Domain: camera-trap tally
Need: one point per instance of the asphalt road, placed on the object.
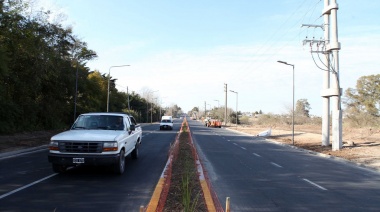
(27, 182)
(259, 175)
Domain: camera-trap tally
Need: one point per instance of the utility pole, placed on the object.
(326, 83)
(330, 92)
(205, 110)
(334, 46)
(225, 103)
(129, 107)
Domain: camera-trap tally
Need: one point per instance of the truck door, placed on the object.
(130, 135)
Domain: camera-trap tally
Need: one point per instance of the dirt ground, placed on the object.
(25, 140)
(361, 146)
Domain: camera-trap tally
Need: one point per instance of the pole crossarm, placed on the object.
(313, 25)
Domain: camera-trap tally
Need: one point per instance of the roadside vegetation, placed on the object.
(39, 60)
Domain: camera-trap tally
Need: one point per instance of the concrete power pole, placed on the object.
(326, 84)
(334, 46)
(225, 103)
(205, 110)
(330, 92)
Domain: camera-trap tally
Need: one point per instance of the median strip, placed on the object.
(183, 186)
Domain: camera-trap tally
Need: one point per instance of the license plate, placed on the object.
(78, 160)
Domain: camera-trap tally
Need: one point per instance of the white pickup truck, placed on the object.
(96, 139)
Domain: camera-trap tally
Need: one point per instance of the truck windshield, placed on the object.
(103, 122)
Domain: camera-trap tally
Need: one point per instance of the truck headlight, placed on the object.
(110, 146)
(53, 145)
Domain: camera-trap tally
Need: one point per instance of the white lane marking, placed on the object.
(243, 148)
(235, 144)
(275, 164)
(24, 153)
(257, 155)
(26, 186)
(314, 184)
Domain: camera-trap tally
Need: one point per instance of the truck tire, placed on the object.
(119, 167)
(59, 168)
(135, 152)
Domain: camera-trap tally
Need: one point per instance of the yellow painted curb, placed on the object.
(152, 206)
(208, 197)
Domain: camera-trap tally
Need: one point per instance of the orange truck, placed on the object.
(214, 123)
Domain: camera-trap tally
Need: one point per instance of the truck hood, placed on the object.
(88, 135)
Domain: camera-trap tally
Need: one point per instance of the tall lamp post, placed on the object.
(108, 90)
(236, 106)
(76, 82)
(151, 107)
(217, 101)
(155, 100)
(293, 98)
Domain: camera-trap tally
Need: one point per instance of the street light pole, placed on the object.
(218, 102)
(76, 84)
(293, 99)
(236, 106)
(108, 90)
(150, 108)
(151, 115)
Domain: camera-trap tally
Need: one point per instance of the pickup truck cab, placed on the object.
(96, 139)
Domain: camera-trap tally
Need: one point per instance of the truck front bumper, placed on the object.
(77, 159)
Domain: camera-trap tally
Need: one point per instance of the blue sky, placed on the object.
(188, 49)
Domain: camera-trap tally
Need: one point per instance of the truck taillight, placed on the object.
(110, 146)
(53, 146)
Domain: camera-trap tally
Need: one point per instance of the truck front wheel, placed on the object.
(120, 164)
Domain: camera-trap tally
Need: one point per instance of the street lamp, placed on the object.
(218, 102)
(236, 106)
(76, 82)
(161, 104)
(108, 90)
(151, 108)
(293, 98)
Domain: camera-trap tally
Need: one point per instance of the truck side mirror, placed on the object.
(133, 127)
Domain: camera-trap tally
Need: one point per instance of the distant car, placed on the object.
(96, 139)
(166, 123)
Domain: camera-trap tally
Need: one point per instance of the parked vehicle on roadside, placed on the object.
(96, 139)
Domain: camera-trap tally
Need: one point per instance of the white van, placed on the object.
(166, 123)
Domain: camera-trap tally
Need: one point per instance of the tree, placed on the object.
(302, 108)
(366, 97)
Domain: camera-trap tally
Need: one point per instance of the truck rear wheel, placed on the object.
(120, 164)
(59, 168)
